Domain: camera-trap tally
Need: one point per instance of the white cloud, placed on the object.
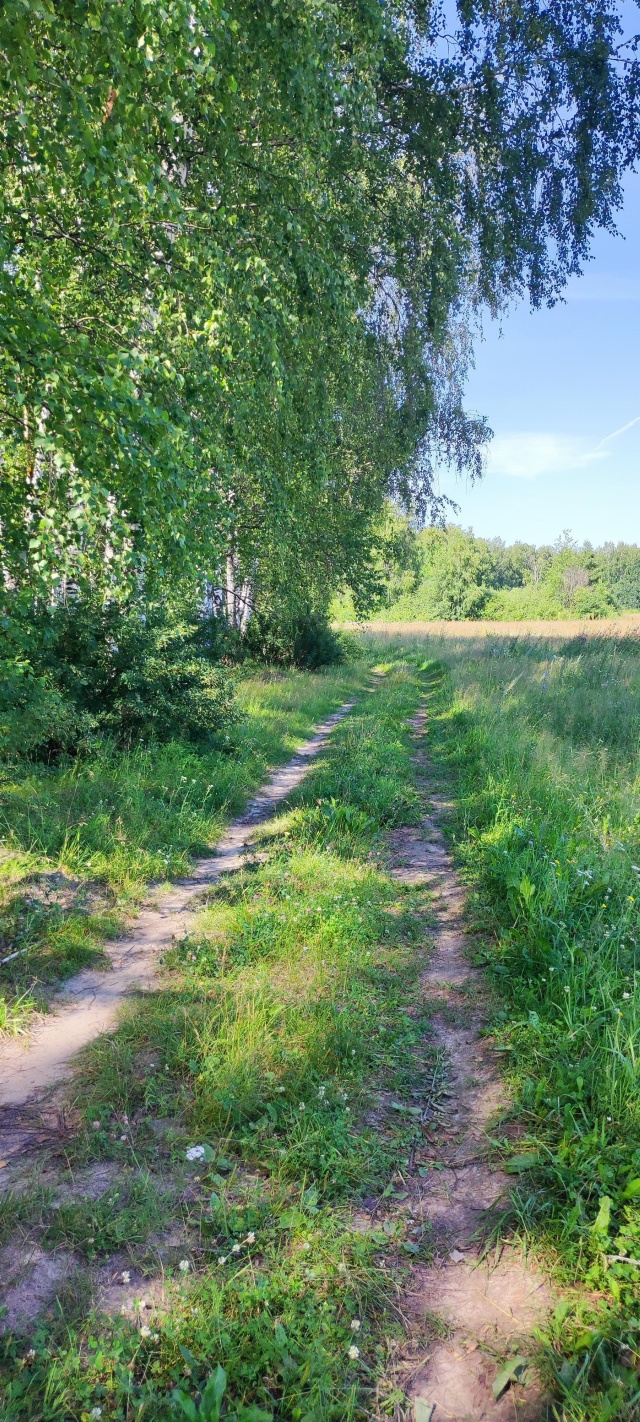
(526, 455)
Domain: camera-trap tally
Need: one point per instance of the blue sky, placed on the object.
(561, 391)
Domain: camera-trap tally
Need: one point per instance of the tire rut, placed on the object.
(485, 1311)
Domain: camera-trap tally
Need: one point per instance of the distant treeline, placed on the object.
(448, 573)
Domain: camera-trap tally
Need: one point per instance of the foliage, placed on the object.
(460, 576)
(297, 640)
(241, 251)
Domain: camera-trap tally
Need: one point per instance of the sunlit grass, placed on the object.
(83, 839)
(540, 744)
(287, 1054)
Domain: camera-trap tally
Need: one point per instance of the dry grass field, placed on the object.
(561, 630)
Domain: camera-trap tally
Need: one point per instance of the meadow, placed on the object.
(541, 740)
(214, 1197)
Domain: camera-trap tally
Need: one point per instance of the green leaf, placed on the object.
(213, 1395)
(511, 1372)
(602, 1220)
(520, 1163)
(631, 1191)
(186, 1403)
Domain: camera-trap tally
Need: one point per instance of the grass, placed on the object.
(259, 1113)
(82, 840)
(541, 745)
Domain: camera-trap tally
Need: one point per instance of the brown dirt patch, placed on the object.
(484, 1311)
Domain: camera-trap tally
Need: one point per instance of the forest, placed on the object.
(319, 1032)
(446, 573)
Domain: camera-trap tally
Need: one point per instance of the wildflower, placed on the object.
(222, 1258)
(125, 1276)
(306, 1244)
(184, 1266)
(125, 1120)
(342, 1268)
(29, 1357)
(96, 1125)
(355, 1325)
(626, 996)
(354, 1352)
(250, 1239)
(302, 1106)
(155, 1337)
(145, 1332)
(279, 1088)
(322, 1090)
(123, 1138)
(96, 1412)
(235, 1248)
(195, 1153)
(566, 987)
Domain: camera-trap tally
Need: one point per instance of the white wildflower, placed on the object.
(96, 1125)
(222, 1258)
(184, 1266)
(355, 1325)
(354, 1352)
(196, 1153)
(302, 1106)
(96, 1412)
(626, 996)
(322, 1090)
(235, 1248)
(145, 1332)
(125, 1276)
(31, 1355)
(250, 1239)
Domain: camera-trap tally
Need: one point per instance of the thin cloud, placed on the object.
(623, 429)
(528, 455)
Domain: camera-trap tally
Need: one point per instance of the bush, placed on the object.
(35, 719)
(137, 675)
(300, 640)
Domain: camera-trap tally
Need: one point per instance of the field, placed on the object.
(553, 630)
(205, 1212)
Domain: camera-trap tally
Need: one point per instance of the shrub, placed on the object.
(35, 718)
(299, 640)
(136, 674)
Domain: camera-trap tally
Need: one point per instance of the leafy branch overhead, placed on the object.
(241, 253)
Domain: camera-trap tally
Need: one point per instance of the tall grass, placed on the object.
(81, 840)
(542, 742)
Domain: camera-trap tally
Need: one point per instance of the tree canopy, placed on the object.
(242, 249)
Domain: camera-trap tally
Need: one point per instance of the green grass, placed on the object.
(290, 1047)
(81, 840)
(541, 746)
